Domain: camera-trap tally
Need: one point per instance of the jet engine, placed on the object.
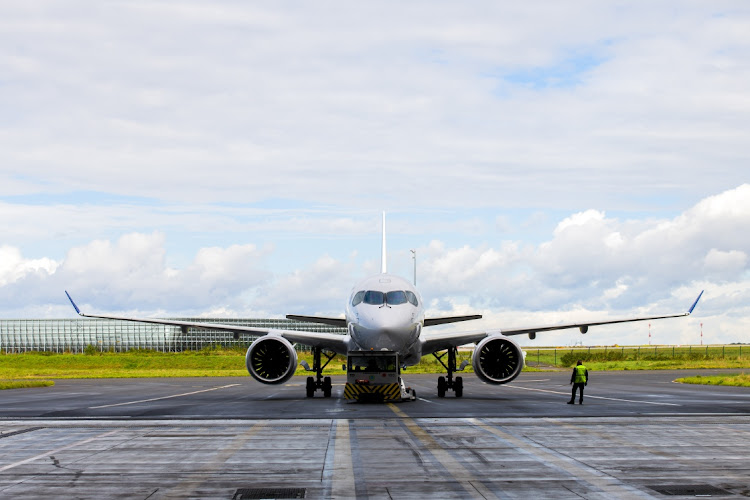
(497, 360)
(271, 359)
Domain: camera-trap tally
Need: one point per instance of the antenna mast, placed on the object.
(382, 256)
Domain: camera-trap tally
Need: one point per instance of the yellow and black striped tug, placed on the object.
(373, 393)
(374, 377)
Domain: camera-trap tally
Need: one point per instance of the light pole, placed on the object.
(649, 334)
(414, 258)
(701, 333)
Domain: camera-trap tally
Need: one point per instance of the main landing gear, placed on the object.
(457, 385)
(318, 382)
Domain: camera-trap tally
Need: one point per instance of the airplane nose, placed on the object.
(384, 329)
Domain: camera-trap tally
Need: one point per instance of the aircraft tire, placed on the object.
(327, 387)
(458, 387)
(310, 387)
(442, 386)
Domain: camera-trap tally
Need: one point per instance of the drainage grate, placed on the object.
(693, 490)
(256, 493)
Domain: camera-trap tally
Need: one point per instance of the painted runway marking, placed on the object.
(594, 397)
(461, 475)
(343, 473)
(163, 397)
(215, 463)
(609, 485)
(57, 450)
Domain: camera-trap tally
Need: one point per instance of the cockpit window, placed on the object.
(358, 297)
(395, 298)
(392, 298)
(374, 298)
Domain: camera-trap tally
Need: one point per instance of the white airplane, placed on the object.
(385, 312)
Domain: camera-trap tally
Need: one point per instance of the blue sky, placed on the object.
(548, 162)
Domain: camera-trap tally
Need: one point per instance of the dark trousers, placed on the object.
(577, 385)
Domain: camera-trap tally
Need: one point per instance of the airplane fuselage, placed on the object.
(385, 312)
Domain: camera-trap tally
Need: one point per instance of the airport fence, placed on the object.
(566, 356)
(76, 335)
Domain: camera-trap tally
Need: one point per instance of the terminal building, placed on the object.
(75, 335)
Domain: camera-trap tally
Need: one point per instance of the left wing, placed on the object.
(332, 341)
(340, 322)
(437, 342)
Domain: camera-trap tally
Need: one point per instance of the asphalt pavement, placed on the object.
(637, 435)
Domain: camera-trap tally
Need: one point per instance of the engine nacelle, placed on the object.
(497, 360)
(271, 359)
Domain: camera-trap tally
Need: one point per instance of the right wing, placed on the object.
(432, 342)
(450, 319)
(332, 341)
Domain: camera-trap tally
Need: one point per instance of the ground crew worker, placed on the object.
(579, 379)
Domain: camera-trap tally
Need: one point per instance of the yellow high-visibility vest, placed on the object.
(580, 377)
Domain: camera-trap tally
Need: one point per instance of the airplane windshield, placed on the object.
(358, 298)
(395, 298)
(374, 298)
(392, 298)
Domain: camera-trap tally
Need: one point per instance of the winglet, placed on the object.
(696, 302)
(74, 304)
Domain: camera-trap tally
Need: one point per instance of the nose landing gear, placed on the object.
(447, 384)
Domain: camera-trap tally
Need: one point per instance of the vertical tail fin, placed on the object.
(382, 255)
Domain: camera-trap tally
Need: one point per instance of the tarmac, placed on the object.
(637, 435)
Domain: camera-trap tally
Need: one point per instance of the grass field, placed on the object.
(24, 384)
(738, 380)
(231, 362)
(643, 357)
(137, 364)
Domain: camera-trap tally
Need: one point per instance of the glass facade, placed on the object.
(74, 335)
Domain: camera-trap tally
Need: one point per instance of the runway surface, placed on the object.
(638, 435)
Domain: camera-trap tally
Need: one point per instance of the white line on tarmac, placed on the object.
(610, 486)
(595, 397)
(163, 397)
(57, 450)
(343, 472)
(473, 486)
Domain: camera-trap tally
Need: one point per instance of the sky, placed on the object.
(547, 161)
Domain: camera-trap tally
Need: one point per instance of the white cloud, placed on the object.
(544, 106)
(185, 158)
(13, 267)
(657, 266)
(729, 263)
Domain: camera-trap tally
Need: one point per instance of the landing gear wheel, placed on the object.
(310, 387)
(458, 387)
(442, 386)
(327, 387)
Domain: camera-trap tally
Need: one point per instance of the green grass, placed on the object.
(140, 363)
(209, 362)
(644, 358)
(739, 380)
(131, 364)
(218, 362)
(24, 384)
